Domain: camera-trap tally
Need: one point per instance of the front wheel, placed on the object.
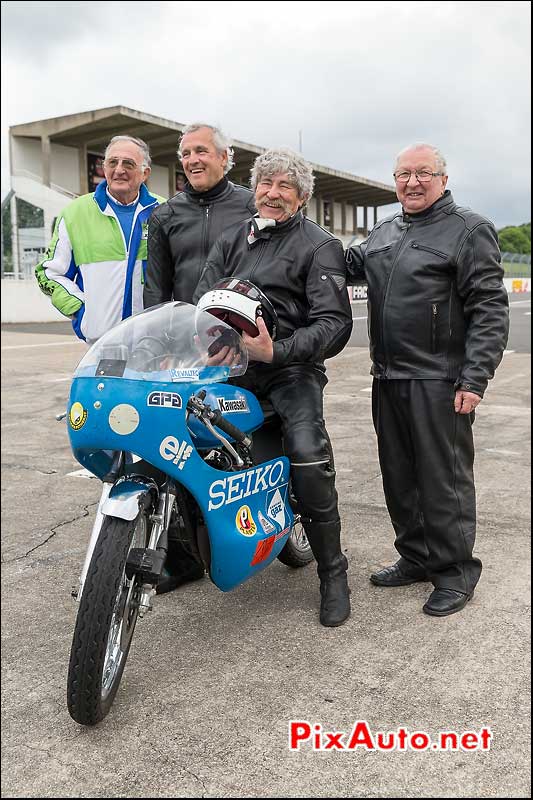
(106, 619)
(297, 551)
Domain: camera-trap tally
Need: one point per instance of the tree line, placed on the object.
(515, 238)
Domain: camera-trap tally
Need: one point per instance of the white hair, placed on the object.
(220, 140)
(140, 144)
(440, 161)
(283, 160)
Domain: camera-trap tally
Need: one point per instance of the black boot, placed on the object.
(325, 541)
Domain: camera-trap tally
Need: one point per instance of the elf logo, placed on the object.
(171, 449)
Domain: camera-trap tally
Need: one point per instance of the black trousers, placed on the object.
(426, 454)
(296, 394)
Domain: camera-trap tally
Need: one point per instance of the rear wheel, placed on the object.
(106, 619)
(297, 551)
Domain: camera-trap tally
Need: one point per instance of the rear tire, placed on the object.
(106, 619)
(297, 551)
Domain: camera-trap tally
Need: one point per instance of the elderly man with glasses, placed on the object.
(438, 325)
(94, 267)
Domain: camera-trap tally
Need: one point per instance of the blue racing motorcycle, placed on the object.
(177, 447)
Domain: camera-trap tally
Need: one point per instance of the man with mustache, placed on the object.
(438, 323)
(300, 268)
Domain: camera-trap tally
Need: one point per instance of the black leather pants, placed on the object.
(426, 454)
(295, 392)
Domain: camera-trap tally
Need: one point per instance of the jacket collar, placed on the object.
(211, 194)
(264, 229)
(438, 206)
(100, 195)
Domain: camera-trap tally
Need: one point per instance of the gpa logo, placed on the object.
(231, 406)
(245, 522)
(144, 234)
(164, 400)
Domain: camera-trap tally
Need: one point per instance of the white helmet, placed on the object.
(238, 303)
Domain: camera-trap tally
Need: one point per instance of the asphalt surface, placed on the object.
(213, 680)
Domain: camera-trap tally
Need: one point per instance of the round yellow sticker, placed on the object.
(245, 522)
(77, 416)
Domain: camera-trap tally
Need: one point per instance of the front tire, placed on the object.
(106, 619)
(297, 551)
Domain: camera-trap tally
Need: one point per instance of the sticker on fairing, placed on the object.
(124, 419)
(77, 416)
(265, 523)
(241, 485)
(171, 449)
(164, 400)
(190, 374)
(233, 406)
(245, 522)
(276, 508)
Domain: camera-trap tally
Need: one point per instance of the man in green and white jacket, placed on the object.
(94, 267)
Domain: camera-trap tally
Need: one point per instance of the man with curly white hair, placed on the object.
(300, 268)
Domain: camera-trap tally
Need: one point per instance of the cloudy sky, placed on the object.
(359, 80)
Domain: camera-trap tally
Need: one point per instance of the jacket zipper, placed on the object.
(434, 314)
(264, 243)
(206, 235)
(417, 246)
(387, 292)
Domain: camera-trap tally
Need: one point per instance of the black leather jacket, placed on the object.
(181, 235)
(437, 306)
(300, 267)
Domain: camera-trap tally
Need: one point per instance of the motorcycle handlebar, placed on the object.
(217, 419)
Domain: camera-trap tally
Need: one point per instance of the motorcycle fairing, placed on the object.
(247, 513)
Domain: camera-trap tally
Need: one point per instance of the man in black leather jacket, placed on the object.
(438, 325)
(182, 233)
(179, 240)
(300, 268)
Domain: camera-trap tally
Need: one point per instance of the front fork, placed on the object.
(160, 520)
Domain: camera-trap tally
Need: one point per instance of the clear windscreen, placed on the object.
(172, 342)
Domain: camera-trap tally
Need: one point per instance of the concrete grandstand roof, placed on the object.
(94, 129)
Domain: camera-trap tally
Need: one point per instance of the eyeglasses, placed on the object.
(423, 175)
(127, 163)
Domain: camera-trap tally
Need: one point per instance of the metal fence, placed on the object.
(513, 258)
(516, 265)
